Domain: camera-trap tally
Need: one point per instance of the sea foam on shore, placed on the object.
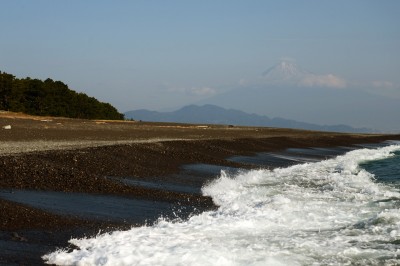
(319, 213)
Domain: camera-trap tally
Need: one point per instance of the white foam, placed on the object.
(329, 212)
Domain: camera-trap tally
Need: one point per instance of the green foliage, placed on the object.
(54, 98)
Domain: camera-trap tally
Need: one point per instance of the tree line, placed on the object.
(52, 98)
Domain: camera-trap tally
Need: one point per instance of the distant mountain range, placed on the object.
(211, 114)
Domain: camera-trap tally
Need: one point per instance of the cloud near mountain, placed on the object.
(383, 84)
(332, 81)
(195, 91)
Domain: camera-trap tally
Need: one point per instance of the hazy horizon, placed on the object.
(161, 55)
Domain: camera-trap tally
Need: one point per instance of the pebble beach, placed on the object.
(78, 156)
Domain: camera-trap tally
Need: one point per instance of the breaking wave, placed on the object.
(321, 213)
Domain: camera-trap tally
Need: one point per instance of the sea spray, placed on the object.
(329, 212)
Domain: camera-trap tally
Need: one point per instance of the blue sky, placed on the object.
(163, 54)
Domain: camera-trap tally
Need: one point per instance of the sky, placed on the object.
(166, 54)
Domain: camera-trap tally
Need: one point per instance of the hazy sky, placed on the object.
(161, 54)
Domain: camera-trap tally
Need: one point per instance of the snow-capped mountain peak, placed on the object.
(285, 71)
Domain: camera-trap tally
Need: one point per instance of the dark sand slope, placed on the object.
(67, 155)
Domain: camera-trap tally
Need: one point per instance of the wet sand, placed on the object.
(68, 155)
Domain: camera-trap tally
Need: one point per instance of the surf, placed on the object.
(327, 212)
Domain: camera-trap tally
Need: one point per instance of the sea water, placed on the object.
(340, 211)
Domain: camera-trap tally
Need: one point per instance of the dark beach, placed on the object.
(94, 158)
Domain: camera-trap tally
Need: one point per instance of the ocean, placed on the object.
(342, 210)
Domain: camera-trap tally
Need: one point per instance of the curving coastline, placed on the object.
(57, 154)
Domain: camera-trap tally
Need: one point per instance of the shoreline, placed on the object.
(69, 155)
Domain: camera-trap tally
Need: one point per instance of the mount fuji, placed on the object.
(287, 90)
(287, 72)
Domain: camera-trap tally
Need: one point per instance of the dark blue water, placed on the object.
(386, 170)
(98, 207)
